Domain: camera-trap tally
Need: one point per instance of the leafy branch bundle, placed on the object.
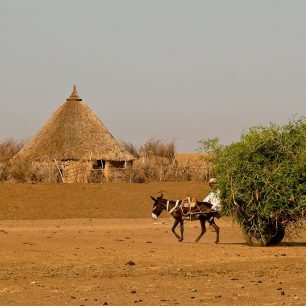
(262, 179)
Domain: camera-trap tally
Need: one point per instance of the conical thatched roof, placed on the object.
(74, 133)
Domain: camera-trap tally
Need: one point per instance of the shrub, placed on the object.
(20, 171)
(8, 149)
(157, 147)
(131, 148)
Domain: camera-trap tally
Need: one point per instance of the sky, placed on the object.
(170, 69)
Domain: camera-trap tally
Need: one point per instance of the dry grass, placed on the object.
(131, 148)
(190, 158)
(144, 171)
(8, 149)
(158, 161)
(158, 147)
(154, 147)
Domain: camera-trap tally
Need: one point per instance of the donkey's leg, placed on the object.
(176, 222)
(217, 229)
(203, 229)
(182, 230)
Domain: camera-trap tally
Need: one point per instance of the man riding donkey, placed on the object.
(191, 209)
(214, 196)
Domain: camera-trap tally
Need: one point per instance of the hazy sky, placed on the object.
(170, 69)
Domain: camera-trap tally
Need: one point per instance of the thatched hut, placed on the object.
(75, 140)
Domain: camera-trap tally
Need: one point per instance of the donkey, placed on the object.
(202, 211)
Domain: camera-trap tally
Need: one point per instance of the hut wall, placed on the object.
(76, 171)
(79, 171)
(111, 168)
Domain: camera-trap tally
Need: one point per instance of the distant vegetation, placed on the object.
(8, 149)
(155, 161)
(158, 160)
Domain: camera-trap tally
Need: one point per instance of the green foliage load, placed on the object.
(262, 179)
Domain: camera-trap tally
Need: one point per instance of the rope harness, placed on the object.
(189, 214)
(173, 208)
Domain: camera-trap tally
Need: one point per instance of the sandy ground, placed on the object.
(77, 201)
(139, 262)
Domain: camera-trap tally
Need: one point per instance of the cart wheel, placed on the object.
(278, 235)
(256, 240)
(273, 235)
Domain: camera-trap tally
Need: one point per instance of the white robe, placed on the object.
(214, 198)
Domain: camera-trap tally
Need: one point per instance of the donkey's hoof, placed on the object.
(216, 242)
(180, 240)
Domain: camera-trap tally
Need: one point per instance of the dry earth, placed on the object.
(65, 256)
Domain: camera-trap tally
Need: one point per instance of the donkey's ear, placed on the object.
(162, 196)
(153, 199)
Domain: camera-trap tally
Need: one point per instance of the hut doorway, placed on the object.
(99, 164)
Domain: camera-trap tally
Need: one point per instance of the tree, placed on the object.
(262, 179)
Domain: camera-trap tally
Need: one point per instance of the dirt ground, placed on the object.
(112, 200)
(84, 260)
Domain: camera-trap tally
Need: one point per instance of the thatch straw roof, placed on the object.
(74, 133)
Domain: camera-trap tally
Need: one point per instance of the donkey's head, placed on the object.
(158, 206)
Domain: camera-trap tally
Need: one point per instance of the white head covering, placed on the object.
(212, 180)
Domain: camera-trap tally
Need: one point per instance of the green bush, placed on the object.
(262, 180)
